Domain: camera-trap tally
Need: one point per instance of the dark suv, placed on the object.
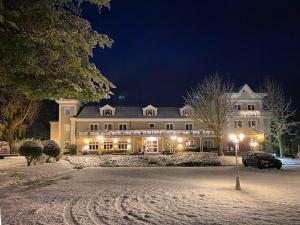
(261, 160)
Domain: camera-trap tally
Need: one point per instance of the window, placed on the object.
(107, 126)
(67, 128)
(237, 107)
(93, 145)
(252, 123)
(122, 145)
(122, 126)
(237, 124)
(151, 126)
(251, 107)
(107, 112)
(189, 144)
(67, 111)
(208, 144)
(93, 126)
(108, 145)
(186, 112)
(188, 126)
(169, 126)
(150, 112)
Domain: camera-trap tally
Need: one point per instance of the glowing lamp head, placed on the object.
(180, 139)
(233, 137)
(100, 138)
(241, 137)
(173, 137)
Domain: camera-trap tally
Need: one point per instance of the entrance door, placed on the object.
(151, 146)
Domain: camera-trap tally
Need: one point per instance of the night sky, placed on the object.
(164, 47)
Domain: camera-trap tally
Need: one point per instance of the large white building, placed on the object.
(153, 129)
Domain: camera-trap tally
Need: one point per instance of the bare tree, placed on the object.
(281, 111)
(212, 104)
(17, 112)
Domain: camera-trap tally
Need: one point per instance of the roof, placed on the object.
(129, 112)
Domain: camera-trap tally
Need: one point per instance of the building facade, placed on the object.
(153, 129)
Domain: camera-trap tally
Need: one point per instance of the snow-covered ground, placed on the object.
(156, 195)
(180, 159)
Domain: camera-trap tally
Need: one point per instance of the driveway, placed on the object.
(203, 195)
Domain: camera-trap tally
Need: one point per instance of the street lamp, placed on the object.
(237, 139)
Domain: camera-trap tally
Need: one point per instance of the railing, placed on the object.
(142, 133)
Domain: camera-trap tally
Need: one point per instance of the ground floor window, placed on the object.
(122, 145)
(208, 144)
(108, 145)
(189, 144)
(93, 145)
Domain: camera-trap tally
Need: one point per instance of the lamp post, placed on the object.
(237, 139)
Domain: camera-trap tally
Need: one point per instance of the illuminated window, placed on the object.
(122, 145)
(189, 144)
(108, 145)
(93, 145)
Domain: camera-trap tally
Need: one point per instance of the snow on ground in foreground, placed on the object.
(14, 171)
(158, 196)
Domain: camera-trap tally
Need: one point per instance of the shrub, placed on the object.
(51, 149)
(72, 149)
(31, 150)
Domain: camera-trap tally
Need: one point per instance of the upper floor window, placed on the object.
(150, 112)
(237, 124)
(107, 126)
(151, 126)
(107, 112)
(252, 123)
(186, 111)
(67, 111)
(188, 126)
(169, 126)
(122, 126)
(93, 126)
(251, 107)
(237, 107)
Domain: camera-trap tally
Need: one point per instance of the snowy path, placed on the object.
(158, 196)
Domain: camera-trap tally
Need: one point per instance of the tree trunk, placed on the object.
(11, 137)
(221, 152)
(280, 147)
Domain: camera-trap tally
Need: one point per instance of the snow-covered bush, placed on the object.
(51, 149)
(31, 150)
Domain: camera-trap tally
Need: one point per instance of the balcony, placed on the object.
(143, 133)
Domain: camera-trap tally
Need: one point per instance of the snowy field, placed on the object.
(161, 195)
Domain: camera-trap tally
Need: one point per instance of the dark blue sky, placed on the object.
(163, 47)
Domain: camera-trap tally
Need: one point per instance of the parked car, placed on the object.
(261, 160)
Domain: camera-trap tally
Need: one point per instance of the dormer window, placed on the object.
(251, 107)
(150, 111)
(107, 110)
(186, 111)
